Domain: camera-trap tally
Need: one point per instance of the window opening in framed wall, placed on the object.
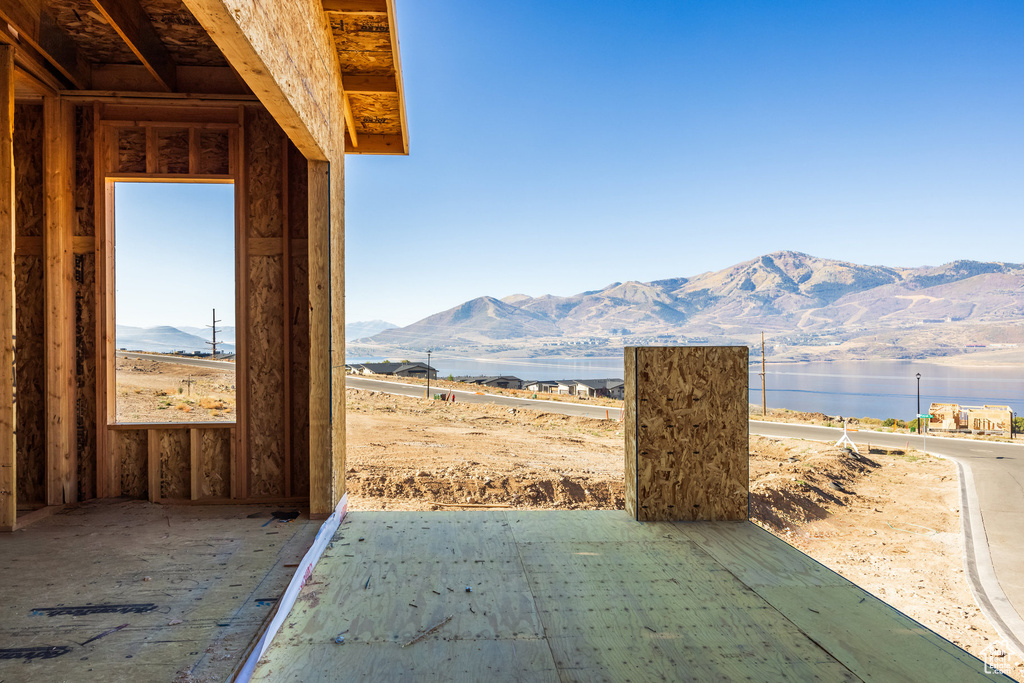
(174, 302)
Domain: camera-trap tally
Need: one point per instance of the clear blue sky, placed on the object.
(559, 147)
(174, 246)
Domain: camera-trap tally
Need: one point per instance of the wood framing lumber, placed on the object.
(356, 6)
(38, 29)
(375, 144)
(285, 53)
(337, 321)
(59, 321)
(397, 59)
(8, 449)
(134, 26)
(321, 478)
(361, 84)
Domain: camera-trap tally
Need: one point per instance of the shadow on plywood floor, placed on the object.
(119, 589)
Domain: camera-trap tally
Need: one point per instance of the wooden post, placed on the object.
(59, 333)
(8, 449)
(686, 433)
(321, 479)
(337, 269)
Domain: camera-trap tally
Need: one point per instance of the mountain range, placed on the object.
(165, 339)
(803, 304)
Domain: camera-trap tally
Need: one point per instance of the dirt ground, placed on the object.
(154, 391)
(887, 520)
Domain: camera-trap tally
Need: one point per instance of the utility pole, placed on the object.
(214, 326)
(764, 395)
(428, 373)
(919, 403)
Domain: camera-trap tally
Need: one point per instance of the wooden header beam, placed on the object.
(133, 25)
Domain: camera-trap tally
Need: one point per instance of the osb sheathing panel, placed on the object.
(175, 449)
(215, 463)
(28, 169)
(85, 197)
(264, 174)
(85, 372)
(363, 44)
(264, 155)
(29, 306)
(214, 151)
(298, 223)
(266, 376)
(691, 433)
(181, 34)
(31, 378)
(172, 150)
(378, 113)
(130, 450)
(131, 150)
(96, 40)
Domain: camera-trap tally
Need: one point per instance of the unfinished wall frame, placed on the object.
(266, 95)
(244, 146)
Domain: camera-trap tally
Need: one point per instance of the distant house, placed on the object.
(545, 386)
(565, 387)
(502, 382)
(952, 417)
(608, 388)
(395, 369)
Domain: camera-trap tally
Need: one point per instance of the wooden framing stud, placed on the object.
(8, 449)
(59, 319)
(321, 478)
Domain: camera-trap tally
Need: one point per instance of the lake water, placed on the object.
(879, 389)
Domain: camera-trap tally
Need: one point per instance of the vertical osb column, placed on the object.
(264, 274)
(298, 321)
(686, 433)
(322, 494)
(58, 180)
(8, 443)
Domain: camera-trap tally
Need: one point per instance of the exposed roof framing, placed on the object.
(41, 38)
(136, 29)
(366, 40)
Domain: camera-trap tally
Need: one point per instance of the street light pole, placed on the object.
(428, 373)
(919, 403)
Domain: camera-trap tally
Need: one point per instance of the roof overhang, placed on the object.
(366, 39)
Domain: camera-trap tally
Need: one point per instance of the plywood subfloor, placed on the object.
(589, 596)
(127, 590)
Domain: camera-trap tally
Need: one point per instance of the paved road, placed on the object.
(992, 501)
(991, 492)
(419, 391)
(198, 362)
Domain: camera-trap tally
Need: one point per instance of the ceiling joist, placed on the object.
(134, 26)
(356, 6)
(42, 35)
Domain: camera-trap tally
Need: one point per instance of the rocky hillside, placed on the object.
(792, 297)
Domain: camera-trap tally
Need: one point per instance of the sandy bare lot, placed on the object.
(154, 391)
(888, 521)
